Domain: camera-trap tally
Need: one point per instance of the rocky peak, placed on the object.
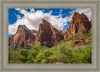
(44, 21)
(22, 37)
(76, 14)
(45, 24)
(47, 34)
(79, 24)
(22, 28)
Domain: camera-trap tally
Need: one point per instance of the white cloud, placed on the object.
(18, 17)
(33, 19)
(86, 11)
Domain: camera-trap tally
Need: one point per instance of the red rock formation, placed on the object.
(22, 38)
(81, 42)
(47, 34)
(79, 24)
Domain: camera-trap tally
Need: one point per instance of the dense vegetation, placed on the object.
(62, 52)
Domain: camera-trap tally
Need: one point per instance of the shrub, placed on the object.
(43, 56)
(36, 46)
(82, 55)
(13, 56)
(23, 55)
(31, 58)
(90, 32)
(63, 52)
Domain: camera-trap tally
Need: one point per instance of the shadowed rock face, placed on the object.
(22, 38)
(33, 32)
(62, 32)
(79, 24)
(47, 34)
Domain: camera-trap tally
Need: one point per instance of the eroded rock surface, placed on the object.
(79, 24)
(47, 34)
(22, 38)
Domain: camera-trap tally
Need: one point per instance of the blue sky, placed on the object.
(31, 17)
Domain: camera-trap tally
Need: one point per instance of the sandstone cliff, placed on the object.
(47, 34)
(79, 24)
(22, 38)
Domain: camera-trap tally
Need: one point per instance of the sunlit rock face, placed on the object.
(22, 38)
(47, 34)
(79, 24)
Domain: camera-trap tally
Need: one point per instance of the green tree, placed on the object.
(23, 55)
(90, 34)
(13, 56)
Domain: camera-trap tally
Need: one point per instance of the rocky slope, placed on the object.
(47, 34)
(22, 38)
(79, 24)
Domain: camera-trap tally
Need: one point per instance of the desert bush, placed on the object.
(63, 52)
(13, 56)
(82, 55)
(31, 58)
(90, 32)
(23, 55)
(43, 55)
(36, 46)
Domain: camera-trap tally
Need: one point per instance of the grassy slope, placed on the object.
(77, 37)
